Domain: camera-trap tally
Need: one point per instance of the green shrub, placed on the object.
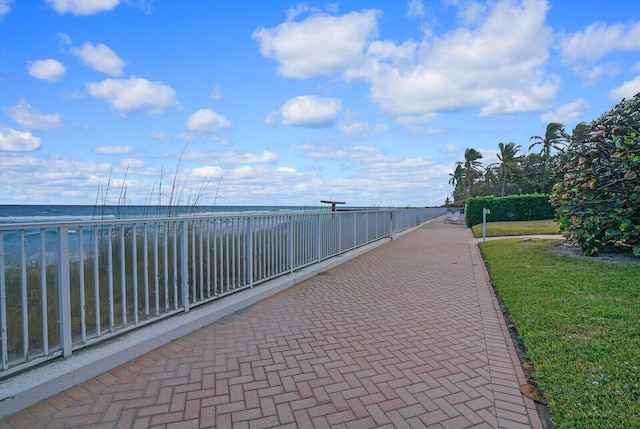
(510, 208)
(598, 203)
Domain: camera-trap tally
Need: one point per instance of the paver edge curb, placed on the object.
(533, 415)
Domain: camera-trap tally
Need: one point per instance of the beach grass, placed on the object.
(580, 325)
(150, 282)
(146, 282)
(532, 227)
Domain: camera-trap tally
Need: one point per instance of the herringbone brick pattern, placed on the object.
(407, 335)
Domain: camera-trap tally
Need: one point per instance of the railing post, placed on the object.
(290, 241)
(249, 251)
(339, 229)
(355, 229)
(64, 291)
(3, 307)
(318, 236)
(123, 276)
(366, 226)
(184, 264)
(110, 278)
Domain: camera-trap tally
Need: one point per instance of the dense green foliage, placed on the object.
(598, 202)
(579, 321)
(510, 208)
(515, 174)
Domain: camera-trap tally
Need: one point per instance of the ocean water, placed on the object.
(12, 214)
(15, 242)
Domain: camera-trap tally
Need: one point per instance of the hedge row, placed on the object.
(510, 208)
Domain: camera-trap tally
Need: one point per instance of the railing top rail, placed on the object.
(181, 218)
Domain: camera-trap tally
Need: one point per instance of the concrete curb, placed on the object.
(25, 389)
(504, 237)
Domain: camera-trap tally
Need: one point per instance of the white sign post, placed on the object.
(485, 212)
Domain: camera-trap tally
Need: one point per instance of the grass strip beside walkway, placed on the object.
(497, 229)
(580, 322)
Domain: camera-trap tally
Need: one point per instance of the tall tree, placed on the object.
(555, 137)
(472, 167)
(509, 162)
(457, 180)
(532, 179)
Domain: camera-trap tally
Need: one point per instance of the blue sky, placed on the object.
(287, 103)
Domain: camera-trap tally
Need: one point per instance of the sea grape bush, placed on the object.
(598, 203)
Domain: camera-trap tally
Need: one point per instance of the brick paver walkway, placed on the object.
(407, 335)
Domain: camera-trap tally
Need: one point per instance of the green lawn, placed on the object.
(580, 322)
(496, 229)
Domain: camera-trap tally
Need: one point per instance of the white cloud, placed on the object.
(5, 7)
(68, 95)
(216, 94)
(244, 172)
(627, 90)
(598, 40)
(113, 150)
(451, 151)
(202, 125)
(82, 7)
(373, 178)
(17, 141)
(231, 157)
(310, 111)
(415, 9)
(356, 130)
(376, 177)
(592, 75)
(415, 124)
(319, 45)
(207, 121)
(381, 128)
(131, 163)
(321, 151)
(367, 157)
(294, 12)
(266, 157)
(272, 118)
(33, 120)
(566, 114)
(493, 63)
(134, 94)
(286, 170)
(50, 179)
(158, 135)
(207, 171)
(101, 58)
(64, 38)
(472, 12)
(51, 70)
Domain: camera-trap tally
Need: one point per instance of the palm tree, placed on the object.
(472, 167)
(509, 161)
(554, 138)
(579, 133)
(457, 176)
(457, 179)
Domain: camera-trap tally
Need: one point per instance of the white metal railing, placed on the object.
(65, 286)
